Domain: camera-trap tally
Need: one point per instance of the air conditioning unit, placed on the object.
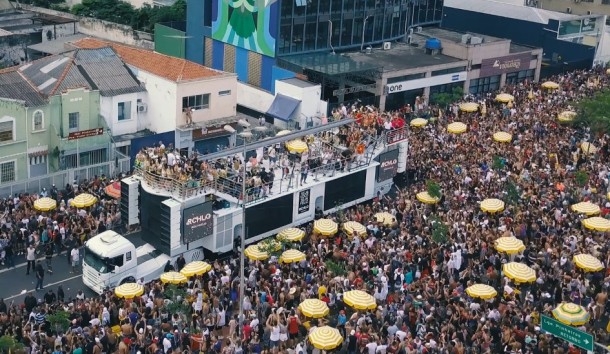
(476, 40)
(387, 45)
(569, 10)
(419, 29)
(142, 107)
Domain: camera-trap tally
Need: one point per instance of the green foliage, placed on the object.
(272, 246)
(594, 112)
(336, 269)
(59, 320)
(8, 343)
(339, 211)
(582, 178)
(444, 99)
(440, 231)
(177, 296)
(512, 193)
(118, 11)
(433, 189)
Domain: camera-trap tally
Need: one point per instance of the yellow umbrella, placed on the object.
(469, 107)
(509, 245)
(84, 200)
(566, 116)
(325, 338)
(291, 234)
(297, 146)
(597, 223)
(588, 263)
(426, 198)
(292, 256)
(586, 208)
(352, 226)
(173, 278)
(481, 291)
(588, 148)
(418, 122)
(607, 71)
(325, 227)
(359, 300)
(492, 205)
(196, 268)
(505, 98)
(314, 308)
(503, 137)
(550, 85)
(45, 204)
(129, 290)
(457, 128)
(519, 272)
(283, 132)
(571, 314)
(385, 218)
(255, 254)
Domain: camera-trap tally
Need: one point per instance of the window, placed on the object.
(73, 119)
(484, 84)
(7, 129)
(38, 121)
(224, 93)
(196, 102)
(7, 171)
(605, 2)
(124, 109)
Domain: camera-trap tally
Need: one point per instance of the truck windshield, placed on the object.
(96, 262)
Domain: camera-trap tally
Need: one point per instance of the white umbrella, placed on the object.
(245, 134)
(229, 129)
(244, 123)
(260, 128)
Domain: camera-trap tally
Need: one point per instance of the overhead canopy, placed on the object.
(283, 107)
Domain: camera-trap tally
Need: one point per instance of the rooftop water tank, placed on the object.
(433, 44)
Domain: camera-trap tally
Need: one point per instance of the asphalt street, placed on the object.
(15, 284)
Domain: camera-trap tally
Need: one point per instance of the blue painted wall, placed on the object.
(194, 30)
(218, 55)
(267, 73)
(278, 73)
(241, 64)
(521, 32)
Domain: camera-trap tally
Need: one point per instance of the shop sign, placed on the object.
(503, 65)
(388, 165)
(210, 132)
(304, 201)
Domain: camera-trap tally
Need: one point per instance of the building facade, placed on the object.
(248, 42)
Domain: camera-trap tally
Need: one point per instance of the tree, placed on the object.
(594, 112)
(582, 178)
(512, 193)
(433, 189)
(336, 269)
(271, 246)
(497, 163)
(8, 344)
(444, 99)
(59, 320)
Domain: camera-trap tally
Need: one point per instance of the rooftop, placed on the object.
(14, 87)
(400, 57)
(456, 36)
(170, 68)
(299, 83)
(510, 10)
(57, 46)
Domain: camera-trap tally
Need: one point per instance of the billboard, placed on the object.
(197, 222)
(388, 165)
(249, 24)
(507, 64)
(304, 200)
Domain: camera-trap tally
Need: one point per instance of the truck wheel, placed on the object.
(128, 280)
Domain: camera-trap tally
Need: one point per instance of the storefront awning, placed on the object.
(283, 107)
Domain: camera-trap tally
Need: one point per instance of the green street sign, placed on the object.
(572, 335)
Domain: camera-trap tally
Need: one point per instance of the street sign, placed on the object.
(85, 133)
(575, 336)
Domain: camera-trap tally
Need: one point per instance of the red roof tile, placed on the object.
(171, 68)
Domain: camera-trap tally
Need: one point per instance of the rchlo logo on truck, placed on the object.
(198, 219)
(389, 163)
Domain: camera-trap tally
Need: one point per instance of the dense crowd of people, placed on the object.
(417, 280)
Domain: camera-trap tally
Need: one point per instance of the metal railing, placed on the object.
(61, 178)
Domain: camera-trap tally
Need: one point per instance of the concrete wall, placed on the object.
(101, 29)
(53, 32)
(170, 41)
(253, 98)
(222, 104)
(13, 48)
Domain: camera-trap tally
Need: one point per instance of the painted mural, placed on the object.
(249, 24)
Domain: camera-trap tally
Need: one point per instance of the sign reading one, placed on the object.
(388, 165)
(577, 337)
(304, 200)
(507, 64)
(85, 133)
(197, 222)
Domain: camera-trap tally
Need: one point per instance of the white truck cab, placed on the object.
(111, 259)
